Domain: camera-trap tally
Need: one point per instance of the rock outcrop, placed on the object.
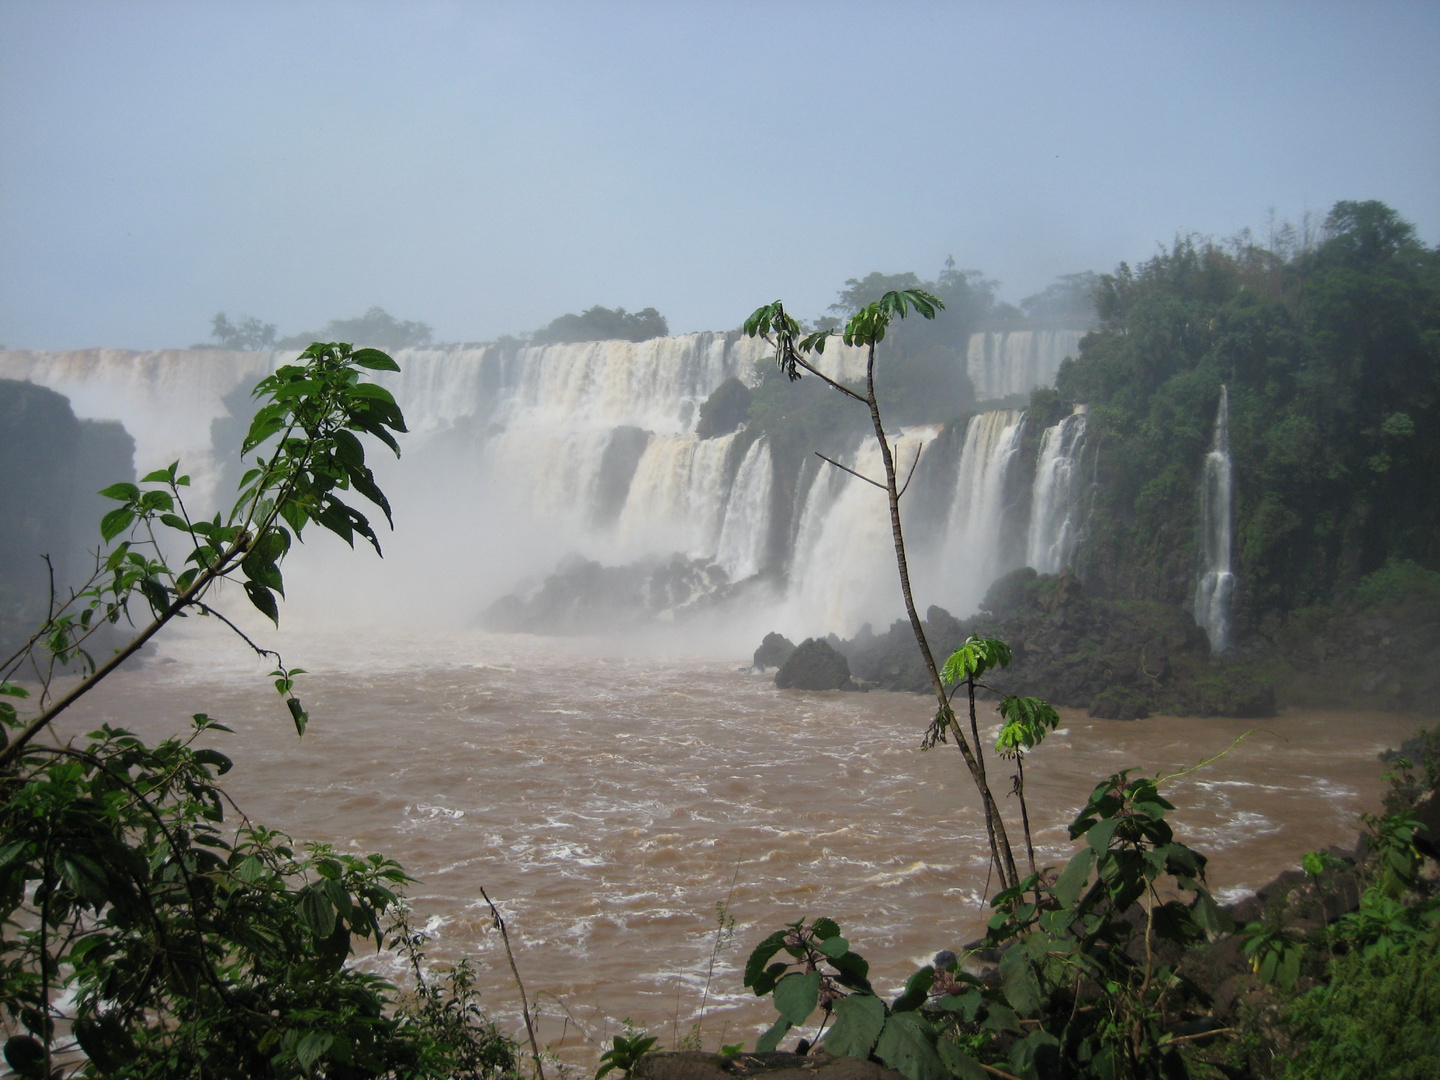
(815, 665)
(773, 651)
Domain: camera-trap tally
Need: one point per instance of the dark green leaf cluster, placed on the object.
(625, 1052)
(602, 324)
(376, 328)
(1331, 354)
(248, 335)
(168, 943)
(1076, 996)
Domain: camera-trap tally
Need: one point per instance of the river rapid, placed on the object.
(609, 798)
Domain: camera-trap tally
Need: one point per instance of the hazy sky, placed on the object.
(485, 167)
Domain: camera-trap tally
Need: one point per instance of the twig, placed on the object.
(524, 1002)
(1200, 1035)
(995, 1071)
(913, 464)
(852, 472)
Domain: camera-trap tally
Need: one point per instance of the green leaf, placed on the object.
(834, 947)
(116, 522)
(961, 1065)
(859, 1019)
(374, 359)
(760, 956)
(298, 714)
(824, 928)
(771, 1039)
(917, 989)
(1037, 1056)
(797, 994)
(1017, 979)
(122, 492)
(907, 1044)
(1071, 882)
(264, 601)
(1098, 836)
(311, 1047)
(317, 912)
(221, 763)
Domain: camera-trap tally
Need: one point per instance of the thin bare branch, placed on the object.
(524, 1002)
(911, 476)
(852, 472)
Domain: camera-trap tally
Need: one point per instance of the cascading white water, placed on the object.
(973, 555)
(527, 455)
(1002, 363)
(1217, 580)
(1055, 500)
(740, 550)
(843, 573)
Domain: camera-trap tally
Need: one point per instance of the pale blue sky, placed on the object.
(484, 167)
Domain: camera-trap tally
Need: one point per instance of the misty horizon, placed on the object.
(486, 168)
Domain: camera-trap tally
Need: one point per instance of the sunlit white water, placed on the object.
(1056, 496)
(1217, 581)
(973, 555)
(1006, 362)
(608, 800)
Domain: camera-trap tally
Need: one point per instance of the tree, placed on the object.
(866, 328)
(602, 324)
(249, 335)
(142, 937)
(376, 328)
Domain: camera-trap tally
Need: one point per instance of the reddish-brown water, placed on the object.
(609, 801)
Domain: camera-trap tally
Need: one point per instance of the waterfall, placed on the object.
(973, 554)
(740, 550)
(1002, 363)
(1217, 580)
(522, 456)
(843, 573)
(1056, 495)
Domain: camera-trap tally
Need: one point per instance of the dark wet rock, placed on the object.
(817, 1065)
(584, 597)
(1118, 659)
(724, 410)
(815, 665)
(773, 651)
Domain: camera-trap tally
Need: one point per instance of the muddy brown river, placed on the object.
(608, 801)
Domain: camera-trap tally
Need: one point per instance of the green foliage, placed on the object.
(603, 324)
(1399, 581)
(1026, 722)
(1074, 997)
(626, 1051)
(248, 335)
(146, 936)
(187, 946)
(1332, 359)
(377, 328)
(1377, 1017)
(309, 418)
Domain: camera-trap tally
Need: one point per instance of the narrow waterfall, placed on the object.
(1217, 580)
(972, 555)
(1002, 363)
(1055, 501)
(740, 550)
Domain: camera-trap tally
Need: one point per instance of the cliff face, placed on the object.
(53, 465)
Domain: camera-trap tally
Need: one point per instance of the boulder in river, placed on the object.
(815, 665)
(773, 651)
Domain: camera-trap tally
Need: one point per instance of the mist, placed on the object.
(487, 167)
